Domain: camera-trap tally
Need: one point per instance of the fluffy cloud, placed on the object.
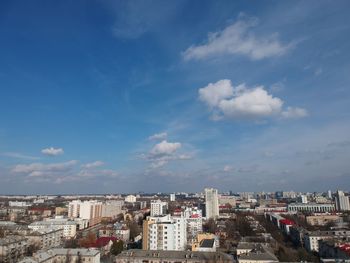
(164, 152)
(158, 136)
(238, 39)
(241, 102)
(93, 164)
(52, 151)
(40, 169)
(165, 148)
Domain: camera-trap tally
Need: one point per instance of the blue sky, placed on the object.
(128, 96)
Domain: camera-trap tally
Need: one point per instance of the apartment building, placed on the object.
(211, 203)
(64, 255)
(46, 238)
(164, 233)
(12, 249)
(158, 207)
(69, 227)
(159, 256)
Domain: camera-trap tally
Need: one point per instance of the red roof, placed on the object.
(287, 222)
(195, 216)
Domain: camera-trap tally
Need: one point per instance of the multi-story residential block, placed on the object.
(89, 210)
(158, 207)
(69, 227)
(311, 238)
(194, 223)
(164, 233)
(159, 256)
(65, 255)
(211, 203)
(12, 248)
(172, 197)
(45, 238)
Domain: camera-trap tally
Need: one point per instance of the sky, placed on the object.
(169, 96)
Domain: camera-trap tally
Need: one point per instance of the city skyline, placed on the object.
(170, 96)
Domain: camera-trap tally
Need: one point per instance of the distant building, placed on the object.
(342, 201)
(172, 197)
(158, 208)
(310, 207)
(89, 210)
(211, 203)
(130, 199)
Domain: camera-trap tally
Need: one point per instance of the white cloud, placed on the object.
(165, 148)
(52, 151)
(241, 102)
(19, 156)
(93, 164)
(213, 93)
(164, 152)
(158, 136)
(238, 39)
(228, 168)
(40, 169)
(294, 113)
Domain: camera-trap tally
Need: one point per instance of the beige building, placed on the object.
(12, 248)
(45, 239)
(321, 220)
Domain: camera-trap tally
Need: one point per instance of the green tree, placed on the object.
(117, 247)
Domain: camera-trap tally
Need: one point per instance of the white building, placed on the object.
(211, 203)
(310, 207)
(19, 203)
(172, 197)
(158, 208)
(342, 201)
(303, 199)
(69, 227)
(164, 233)
(130, 199)
(90, 210)
(194, 223)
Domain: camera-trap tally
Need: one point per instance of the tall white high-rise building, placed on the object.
(90, 210)
(172, 197)
(158, 208)
(211, 203)
(342, 201)
(164, 233)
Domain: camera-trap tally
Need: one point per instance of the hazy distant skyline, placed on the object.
(164, 96)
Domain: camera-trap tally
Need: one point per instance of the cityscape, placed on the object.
(206, 226)
(174, 131)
